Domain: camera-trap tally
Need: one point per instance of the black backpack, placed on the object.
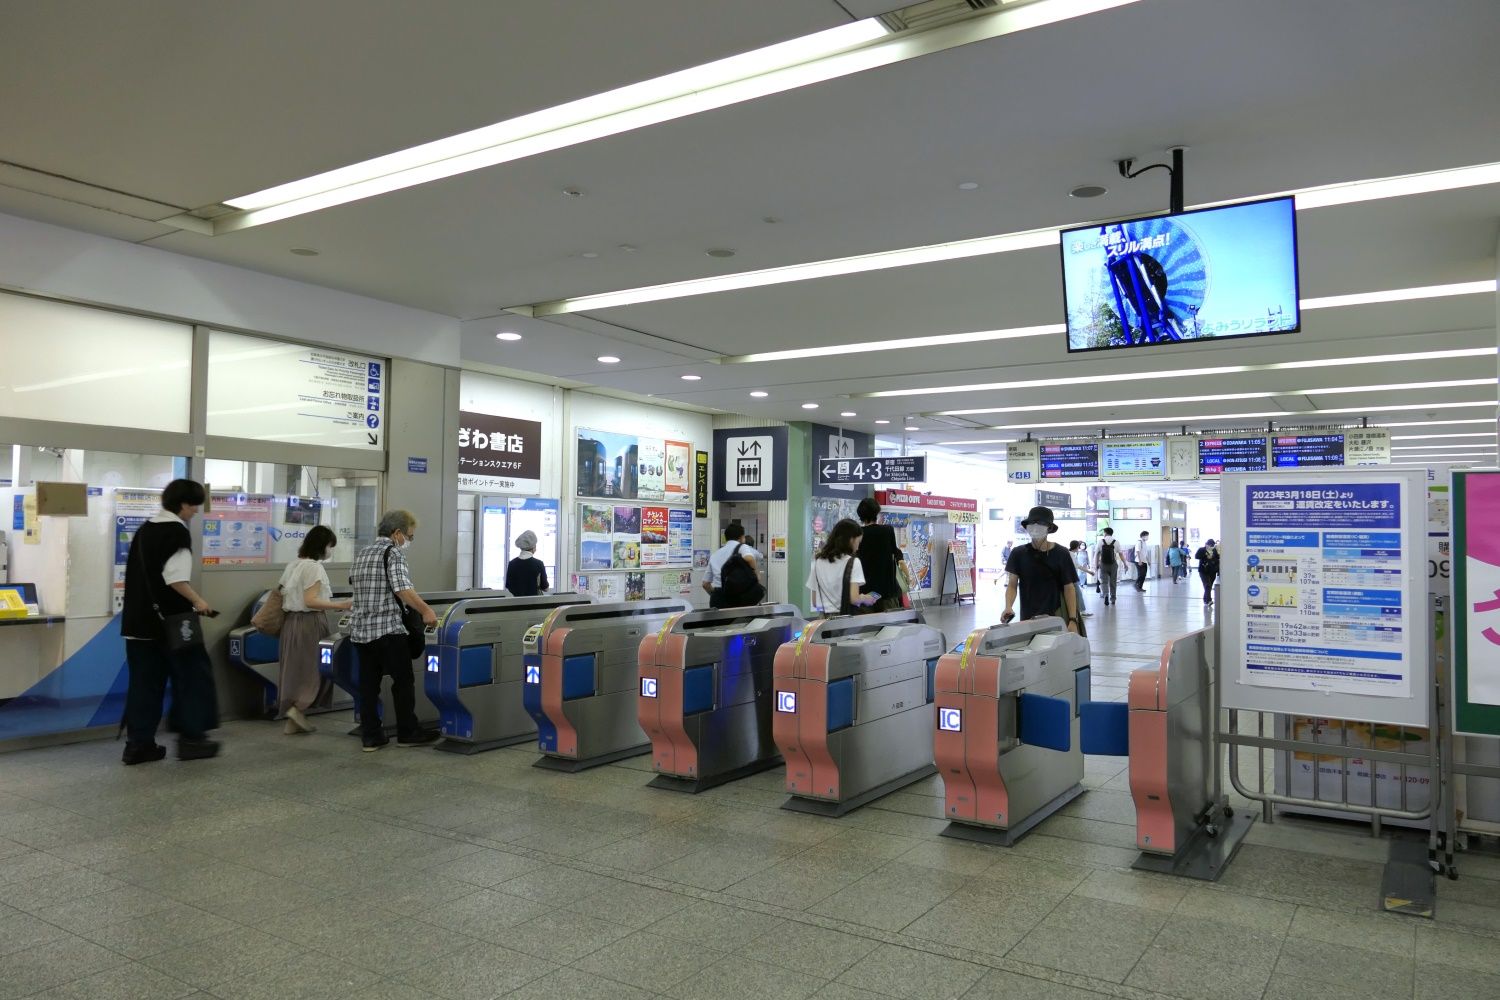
(738, 581)
(1106, 554)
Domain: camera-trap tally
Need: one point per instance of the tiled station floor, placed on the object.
(297, 867)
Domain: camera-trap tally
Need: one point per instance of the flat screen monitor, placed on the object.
(303, 510)
(1201, 275)
(1231, 454)
(1303, 451)
(1070, 460)
(1134, 459)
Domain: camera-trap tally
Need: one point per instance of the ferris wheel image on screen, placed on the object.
(1158, 275)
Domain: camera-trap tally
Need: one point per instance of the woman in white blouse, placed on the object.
(836, 574)
(305, 597)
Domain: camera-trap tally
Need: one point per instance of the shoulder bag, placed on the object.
(411, 618)
(272, 613)
(180, 631)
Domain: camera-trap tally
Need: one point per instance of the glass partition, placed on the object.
(261, 511)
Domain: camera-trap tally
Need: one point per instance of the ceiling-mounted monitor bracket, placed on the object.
(1175, 170)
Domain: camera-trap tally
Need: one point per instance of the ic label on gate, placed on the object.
(786, 701)
(951, 720)
(648, 687)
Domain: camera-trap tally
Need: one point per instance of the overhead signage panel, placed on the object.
(873, 469)
(1217, 456)
(1302, 451)
(1023, 462)
(1070, 460)
(750, 463)
(1144, 458)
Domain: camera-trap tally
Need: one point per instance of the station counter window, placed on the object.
(261, 511)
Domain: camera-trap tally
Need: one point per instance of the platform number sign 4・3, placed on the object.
(648, 687)
(786, 701)
(951, 720)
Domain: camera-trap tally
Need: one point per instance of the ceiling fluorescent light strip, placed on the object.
(1463, 352)
(800, 62)
(1429, 437)
(1399, 295)
(1398, 187)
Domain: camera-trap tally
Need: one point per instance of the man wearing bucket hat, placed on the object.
(1044, 575)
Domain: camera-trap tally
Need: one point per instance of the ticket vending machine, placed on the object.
(853, 709)
(705, 696)
(1007, 742)
(581, 680)
(481, 670)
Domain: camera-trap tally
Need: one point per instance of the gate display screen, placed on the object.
(1240, 454)
(1300, 451)
(1071, 460)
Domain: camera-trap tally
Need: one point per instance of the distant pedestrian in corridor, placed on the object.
(1108, 557)
(1208, 568)
(1175, 562)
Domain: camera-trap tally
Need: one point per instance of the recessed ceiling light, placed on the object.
(759, 393)
(882, 421)
(589, 255)
(608, 359)
(691, 378)
(305, 251)
(809, 406)
(628, 247)
(848, 413)
(720, 252)
(1087, 191)
(572, 192)
(507, 336)
(969, 186)
(910, 427)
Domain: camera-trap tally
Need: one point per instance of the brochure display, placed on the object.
(618, 537)
(1322, 603)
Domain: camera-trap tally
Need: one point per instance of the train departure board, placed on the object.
(1303, 451)
(1231, 454)
(1070, 460)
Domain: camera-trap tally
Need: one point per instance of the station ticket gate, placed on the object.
(481, 670)
(1184, 824)
(853, 709)
(259, 656)
(581, 680)
(339, 661)
(1007, 742)
(705, 696)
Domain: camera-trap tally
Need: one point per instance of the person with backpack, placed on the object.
(1107, 559)
(1043, 575)
(879, 558)
(836, 576)
(733, 579)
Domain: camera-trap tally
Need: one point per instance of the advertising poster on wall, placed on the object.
(608, 587)
(680, 537)
(654, 536)
(237, 532)
(498, 454)
(627, 538)
(596, 536)
(1476, 593)
(607, 464)
(635, 586)
(133, 508)
(1324, 606)
(700, 558)
(679, 477)
(914, 539)
(652, 471)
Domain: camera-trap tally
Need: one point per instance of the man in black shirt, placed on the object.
(878, 557)
(1043, 573)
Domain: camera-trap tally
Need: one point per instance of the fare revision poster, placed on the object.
(1323, 601)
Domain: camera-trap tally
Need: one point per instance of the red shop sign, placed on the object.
(923, 501)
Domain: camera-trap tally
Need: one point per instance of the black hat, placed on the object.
(1040, 515)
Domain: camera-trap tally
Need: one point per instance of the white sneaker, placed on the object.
(295, 717)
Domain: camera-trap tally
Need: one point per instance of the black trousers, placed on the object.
(1140, 576)
(386, 657)
(1208, 586)
(195, 702)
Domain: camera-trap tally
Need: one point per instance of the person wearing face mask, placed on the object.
(382, 583)
(1043, 574)
(305, 598)
(1208, 568)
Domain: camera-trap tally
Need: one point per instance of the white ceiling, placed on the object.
(176, 104)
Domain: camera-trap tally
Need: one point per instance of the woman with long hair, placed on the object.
(305, 597)
(836, 574)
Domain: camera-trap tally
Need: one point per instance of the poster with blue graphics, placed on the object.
(1323, 590)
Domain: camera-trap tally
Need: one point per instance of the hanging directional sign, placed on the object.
(887, 469)
(750, 463)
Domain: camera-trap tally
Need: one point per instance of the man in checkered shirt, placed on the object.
(380, 578)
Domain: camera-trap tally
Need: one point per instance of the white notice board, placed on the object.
(1323, 600)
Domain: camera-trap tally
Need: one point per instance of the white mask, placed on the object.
(405, 544)
(1038, 532)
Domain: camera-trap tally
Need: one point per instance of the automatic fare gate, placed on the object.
(705, 696)
(581, 680)
(1007, 741)
(477, 686)
(853, 714)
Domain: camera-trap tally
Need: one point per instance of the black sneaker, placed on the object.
(373, 743)
(423, 739)
(197, 749)
(142, 753)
